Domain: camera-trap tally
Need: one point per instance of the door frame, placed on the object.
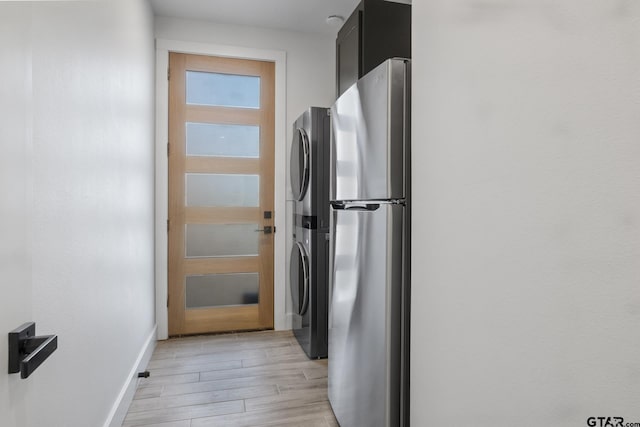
(163, 47)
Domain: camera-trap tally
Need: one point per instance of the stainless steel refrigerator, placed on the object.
(369, 250)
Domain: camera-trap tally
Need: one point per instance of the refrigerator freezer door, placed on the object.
(370, 135)
(365, 315)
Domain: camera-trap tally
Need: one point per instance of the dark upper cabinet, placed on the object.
(376, 31)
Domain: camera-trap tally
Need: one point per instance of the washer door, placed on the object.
(299, 278)
(299, 164)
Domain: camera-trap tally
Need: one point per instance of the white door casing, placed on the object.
(163, 47)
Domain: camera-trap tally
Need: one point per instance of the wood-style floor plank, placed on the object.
(217, 357)
(255, 379)
(269, 417)
(188, 368)
(170, 379)
(278, 379)
(286, 400)
(202, 398)
(183, 423)
(183, 413)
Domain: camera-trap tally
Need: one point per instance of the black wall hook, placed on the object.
(26, 351)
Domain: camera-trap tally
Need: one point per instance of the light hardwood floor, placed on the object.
(254, 379)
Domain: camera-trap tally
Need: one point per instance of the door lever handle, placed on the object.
(27, 351)
(267, 229)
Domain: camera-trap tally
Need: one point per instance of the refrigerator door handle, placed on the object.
(356, 207)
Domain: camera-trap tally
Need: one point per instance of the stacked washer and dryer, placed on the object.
(308, 268)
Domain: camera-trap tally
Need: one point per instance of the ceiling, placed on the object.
(294, 15)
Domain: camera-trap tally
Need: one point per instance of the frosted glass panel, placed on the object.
(224, 90)
(222, 190)
(215, 290)
(204, 139)
(221, 240)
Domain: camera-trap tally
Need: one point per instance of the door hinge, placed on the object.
(167, 300)
(168, 149)
(274, 229)
(168, 225)
(168, 73)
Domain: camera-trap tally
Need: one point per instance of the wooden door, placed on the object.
(221, 196)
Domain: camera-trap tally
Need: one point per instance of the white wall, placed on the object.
(526, 155)
(310, 81)
(77, 202)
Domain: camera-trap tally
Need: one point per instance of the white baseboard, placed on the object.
(121, 405)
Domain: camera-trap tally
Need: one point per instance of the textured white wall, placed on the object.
(526, 155)
(78, 190)
(310, 82)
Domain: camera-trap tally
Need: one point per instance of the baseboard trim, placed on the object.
(121, 405)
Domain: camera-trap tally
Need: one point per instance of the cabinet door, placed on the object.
(348, 53)
(376, 31)
(385, 32)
